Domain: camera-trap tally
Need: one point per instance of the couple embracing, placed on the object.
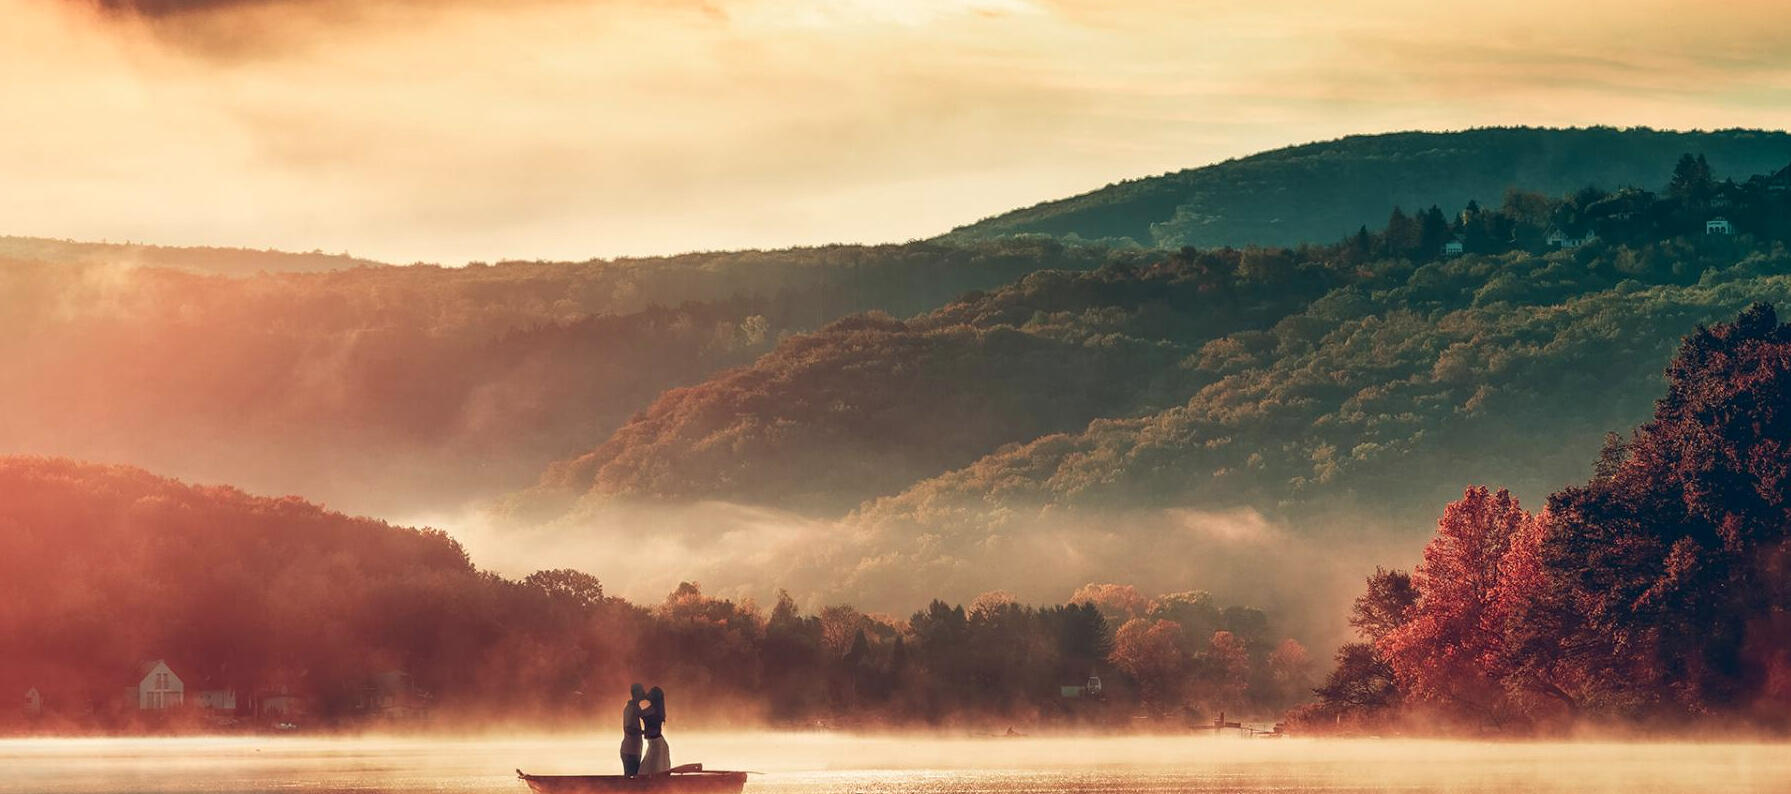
(644, 717)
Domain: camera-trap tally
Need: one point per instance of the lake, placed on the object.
(816, 763)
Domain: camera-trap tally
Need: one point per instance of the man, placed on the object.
(631, 731)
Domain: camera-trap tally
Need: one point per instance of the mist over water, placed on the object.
(811, 763)
(1304, 573)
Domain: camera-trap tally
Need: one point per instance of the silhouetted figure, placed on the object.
(659, 756)
(631, 730)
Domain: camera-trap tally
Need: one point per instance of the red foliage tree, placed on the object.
(1451, 650)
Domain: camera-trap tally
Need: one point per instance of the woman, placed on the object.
(659, 756)
(631, 730)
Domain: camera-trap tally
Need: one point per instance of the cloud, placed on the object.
(168, 7)
(478, 129)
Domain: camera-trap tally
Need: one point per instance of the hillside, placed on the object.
(1320, 192)
(1355, 385)
(867, 405)
(440, 383)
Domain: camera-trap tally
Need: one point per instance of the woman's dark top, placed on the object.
(652, 719)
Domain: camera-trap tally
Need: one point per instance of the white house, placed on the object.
(158, 687)
(1453, 248)
(1718, 226)
(34, 702)
(1560, 239)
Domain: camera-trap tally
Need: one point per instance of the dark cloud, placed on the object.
(162, 8)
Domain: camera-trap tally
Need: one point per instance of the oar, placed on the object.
(688, 768)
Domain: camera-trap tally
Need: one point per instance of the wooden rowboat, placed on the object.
(687, 779)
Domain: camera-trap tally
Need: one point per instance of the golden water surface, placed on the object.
(811, 763)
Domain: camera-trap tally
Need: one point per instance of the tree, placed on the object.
(577, 588)
(1361, 681)
(1678, 557)
(1692, 180)
(1433, 232)
(1402, 236)
(1448, 652)
(1225, 671)
(1290, 664)
(1117, 602)
(1193, 610)
(1151, 653)
(1544, 649)
(1386, 604)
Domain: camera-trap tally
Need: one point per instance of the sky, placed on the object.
(474, 130)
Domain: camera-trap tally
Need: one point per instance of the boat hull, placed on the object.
(717, 782)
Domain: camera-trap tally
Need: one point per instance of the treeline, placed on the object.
(107, 566)
(436, 380)
(1532, 221)
(1654, 594)
(1321, 191)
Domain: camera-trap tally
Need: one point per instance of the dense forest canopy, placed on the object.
(1320, 191)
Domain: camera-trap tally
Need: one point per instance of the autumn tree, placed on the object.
(1290, 666)
(576, 588)
(1117, 602)
(1223, 671)
(1151, 653)
(1449, 651)
(1678, 554)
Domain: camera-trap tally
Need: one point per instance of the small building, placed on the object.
(221, 699)
(34, 702)
(1560, 239)
(1453, 248)
(157, 687)
(1093, 687)
(1069, 692)
(1718, 226)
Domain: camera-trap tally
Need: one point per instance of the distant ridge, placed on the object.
(1319, 192)
(200, 259)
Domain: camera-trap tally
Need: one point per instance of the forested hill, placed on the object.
(1369, 377)
(439, 383)
(1320, 192)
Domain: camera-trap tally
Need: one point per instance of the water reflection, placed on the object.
(826, 764)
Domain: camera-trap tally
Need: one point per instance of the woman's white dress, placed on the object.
(658, 757)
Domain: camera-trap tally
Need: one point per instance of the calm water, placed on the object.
(817, 763)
